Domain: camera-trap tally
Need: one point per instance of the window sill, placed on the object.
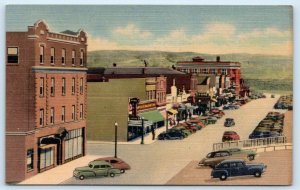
(13, 64)
(42, 96)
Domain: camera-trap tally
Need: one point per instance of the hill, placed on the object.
(262, 72)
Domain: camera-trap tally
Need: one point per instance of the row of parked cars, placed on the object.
(256, 95)
(183, 130)
(232, 162)
(284, 102)
(105, 166)
(270, 126)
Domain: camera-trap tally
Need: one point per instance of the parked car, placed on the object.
(232, 168)
(230, 107)
(96, 168)
(235, 151)
(229, 122)
(230, 136)
(212, 120)
(170, 135)
(214, 158)
(181, 130)
(116, 163)
(263, 134)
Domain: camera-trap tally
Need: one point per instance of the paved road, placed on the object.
(158, 162)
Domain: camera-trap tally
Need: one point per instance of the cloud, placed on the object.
(215, 38)
(132, 31)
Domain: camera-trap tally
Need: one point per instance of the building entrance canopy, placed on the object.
(154, 116)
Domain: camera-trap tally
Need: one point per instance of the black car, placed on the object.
(229, 122)
(263, 134)
(170, 135)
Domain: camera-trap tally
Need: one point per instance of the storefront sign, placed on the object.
(146, 105)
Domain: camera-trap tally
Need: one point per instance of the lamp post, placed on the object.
(116, 137)
(142, 140)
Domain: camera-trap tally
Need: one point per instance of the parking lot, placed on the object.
(279, 172)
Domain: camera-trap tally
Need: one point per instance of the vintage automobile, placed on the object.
(212, 120)
(96, 168)
(229, 122)
(230, 136)
(263, 134)
(170, 135)
(230, 107)
(116, 163)
(235, 151)
(181, 130)
(214, 158)
(231, 168)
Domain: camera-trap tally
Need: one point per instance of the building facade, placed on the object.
(223, 70)
(45, 99)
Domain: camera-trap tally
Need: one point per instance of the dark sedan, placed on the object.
(263, 134)
(229, 122)
(170, 135)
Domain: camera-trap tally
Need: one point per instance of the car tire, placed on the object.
(257, 174)
(223, 177)
(122, 171)
(251, 157)
(81, 177)
(112, 174)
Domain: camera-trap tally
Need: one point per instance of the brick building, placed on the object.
(45, 99)
(227, 73)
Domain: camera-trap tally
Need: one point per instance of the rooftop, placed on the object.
(134, 71)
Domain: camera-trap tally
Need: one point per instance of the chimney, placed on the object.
(218, 58)
(114, 65)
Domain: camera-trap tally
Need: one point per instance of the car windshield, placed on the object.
(210, 155)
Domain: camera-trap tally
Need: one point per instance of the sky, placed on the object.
(201, 29)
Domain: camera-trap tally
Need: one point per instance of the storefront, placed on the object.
(73, 144)
(135, 128)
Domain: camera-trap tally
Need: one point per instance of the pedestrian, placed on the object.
(153, 132)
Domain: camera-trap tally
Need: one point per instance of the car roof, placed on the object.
(229, 161)
(108, 158)
(99, 162)
(227, 149)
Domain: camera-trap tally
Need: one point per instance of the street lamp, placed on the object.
(116, 137)
(142, 140)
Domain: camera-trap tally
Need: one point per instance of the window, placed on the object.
(12, 55)
(73, 85)
(96, 166)
(41, 86)
(213, 71)
(225, 165)
(29, 160)
(240, 165)
(73, 112)
(73, 143)
(73, 57)
(41, 54)
(63, 112)
(63, 87)
(52, 116)
(63, 56)
(81, 85)
(52, 88)
(46, 157)
(81, 58)
(41, 117)
(81, 111)
(224, 71)
(52, 57)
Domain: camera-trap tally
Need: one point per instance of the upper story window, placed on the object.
(63, 112)
(41, 117)
(41, 86)
(12, 55)
(41, 54)
(73, 112)
(73, 57)
(213, 71)
(51, 115)
(52, 88)
(73, 86)
(224, 71)
(81, 57)
(63, 56)
(52, 57)
(81, 111)
(63, 87)
(81, 85)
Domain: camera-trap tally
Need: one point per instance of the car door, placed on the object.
(100, 170)
(234, 171)
(242, 170)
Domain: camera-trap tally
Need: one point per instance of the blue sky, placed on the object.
(203, 29)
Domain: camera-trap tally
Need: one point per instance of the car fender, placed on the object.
(218, 173)
(114, 170)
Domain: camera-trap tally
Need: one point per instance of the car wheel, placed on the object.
(257, 174)
(81, 177)
(251, 157)
(112, 174)
(223, 177)
(122, 171)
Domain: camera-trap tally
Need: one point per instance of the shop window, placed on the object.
(73, 144)
(52, 57)
(46, 157)
(52, 87)
(12, 55)
(30, 160)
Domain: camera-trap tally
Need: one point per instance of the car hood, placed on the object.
(202, 161)
(260, 165)
(82, 168)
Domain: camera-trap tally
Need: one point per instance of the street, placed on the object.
(158, 162)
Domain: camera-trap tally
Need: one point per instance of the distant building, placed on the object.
(227, 73)
(45, 99)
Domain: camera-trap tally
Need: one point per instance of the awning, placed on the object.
(153, 116)
(138, 123)
(172, 111)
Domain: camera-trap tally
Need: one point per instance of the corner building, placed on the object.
(45, 99)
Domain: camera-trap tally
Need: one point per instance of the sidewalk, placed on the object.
(58, 174)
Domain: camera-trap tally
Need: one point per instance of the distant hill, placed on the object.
(262, 71)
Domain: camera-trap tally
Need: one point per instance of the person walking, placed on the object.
(190, 115)
(153, 132)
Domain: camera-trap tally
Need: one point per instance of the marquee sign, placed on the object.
(146, 105)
